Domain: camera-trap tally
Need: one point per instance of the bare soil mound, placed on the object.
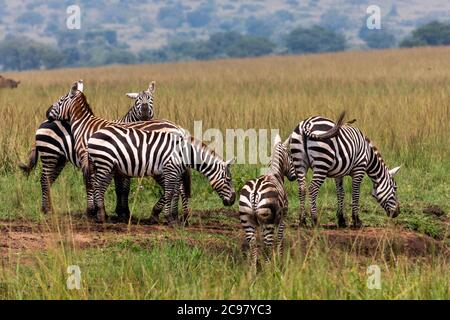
(22, 237)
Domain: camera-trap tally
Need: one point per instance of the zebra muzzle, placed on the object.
(230, 201)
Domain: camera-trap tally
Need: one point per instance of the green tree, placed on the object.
(377, 39)
(259, 27)
(21, 53)
(251, 47)
(432, 34)
(314, 39)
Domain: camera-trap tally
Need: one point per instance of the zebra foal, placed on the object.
(263, 201)
(338, 150)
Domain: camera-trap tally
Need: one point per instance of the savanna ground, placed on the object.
(401, 100)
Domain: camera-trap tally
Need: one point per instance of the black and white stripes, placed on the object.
(337, 150)
(74, 109)
(133, 152)
(55, 144)
(263, 201)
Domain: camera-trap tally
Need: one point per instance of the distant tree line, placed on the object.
(75, 48)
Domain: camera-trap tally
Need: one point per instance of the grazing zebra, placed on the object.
(55, 145)
(263, 201)
(134, 152)
(338, 150)
(75, 110)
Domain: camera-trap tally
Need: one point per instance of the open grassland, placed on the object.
(401, 100)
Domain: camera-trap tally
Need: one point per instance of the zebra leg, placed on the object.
(250, 236)
(171, 183)
(185, 204)
(268, 231)
(356, 186)
(159, 206)
(249, 224)
(302, 196)
(280, 237)
(51, 168)
(316, 182)
(102, 181)
(122, 194)
(92, 208)
(174, 206)
(340, 197)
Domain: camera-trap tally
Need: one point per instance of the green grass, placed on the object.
(178, 270)
(400, 99)
(20, 197)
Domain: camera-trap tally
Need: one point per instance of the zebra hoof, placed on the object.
(92, 212)
(156, 212)
(123, 218)
(170, 221)
(46, 210)
(302, 222)
(342, 223)
(123, 214)
(357, 224)
(153, 220)
(184, 222)
(315, 222)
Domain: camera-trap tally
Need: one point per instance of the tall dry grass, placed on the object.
(400, 98)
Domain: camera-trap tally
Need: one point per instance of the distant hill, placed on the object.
(154, 23)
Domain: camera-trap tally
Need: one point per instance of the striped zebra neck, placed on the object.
(79, 109)
(204, 159)
(131, 116)
(376, 168)
(276, 165)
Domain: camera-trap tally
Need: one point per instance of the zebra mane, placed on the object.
(205, 147)
(82, 102)
(376, 151)
(128, 115)
(276, 158)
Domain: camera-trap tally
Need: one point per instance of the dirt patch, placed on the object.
(434, 210)
(386, 242)
(209, 229)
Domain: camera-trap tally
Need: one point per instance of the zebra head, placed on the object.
(281, 160)
(143, 103)
(222, 183)
(385, 193)
(60, 110)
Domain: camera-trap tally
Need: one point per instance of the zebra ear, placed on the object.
(74, 88)
(80, 85)
(287, 142)
(132, 95)
(277, 139)
(394, 171)
(230, 162)
(152, 87)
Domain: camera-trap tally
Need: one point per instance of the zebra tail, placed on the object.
(87, 166)
(32, 160)
(333, 131)
(187, 180)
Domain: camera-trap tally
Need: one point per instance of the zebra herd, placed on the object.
(138, 145)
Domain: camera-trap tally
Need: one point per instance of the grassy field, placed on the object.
(401, 100)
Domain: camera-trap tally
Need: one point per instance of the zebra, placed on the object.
(74, 109)
(133, 152)
(338, 150)
(263, 201)
(54, 143)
